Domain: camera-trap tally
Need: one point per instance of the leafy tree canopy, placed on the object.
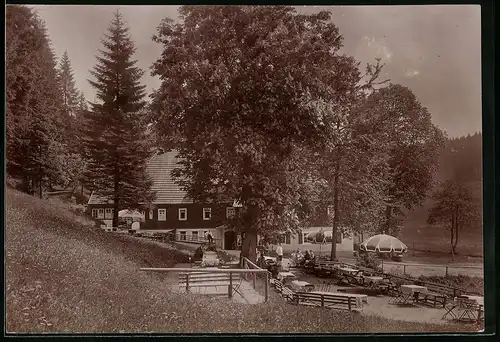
(241, 100)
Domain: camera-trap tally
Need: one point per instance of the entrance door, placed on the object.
(229, 240)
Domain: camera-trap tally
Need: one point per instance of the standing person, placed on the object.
(279, 251)
(210, 238)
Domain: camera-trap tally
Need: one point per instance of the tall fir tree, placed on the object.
(67, 81)
(82, 104)
(70, 103)
(34, 103)
(115, 134)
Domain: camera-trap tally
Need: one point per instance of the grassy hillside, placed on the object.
(64, 276)
(427, 238)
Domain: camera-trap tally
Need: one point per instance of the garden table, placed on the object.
(408, 293)
(285, 275)
(347, 270)
(303, 286)
(372, 279)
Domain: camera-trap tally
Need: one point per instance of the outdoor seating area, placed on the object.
(350, 288)
(465, 308)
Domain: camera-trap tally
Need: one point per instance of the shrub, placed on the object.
(210, 263)
(471, 284)
(368, 260)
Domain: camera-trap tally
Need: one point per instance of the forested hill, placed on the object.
(461, 159)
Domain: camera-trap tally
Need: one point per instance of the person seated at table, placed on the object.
(262, 261)
(311, 253)
(307, 256)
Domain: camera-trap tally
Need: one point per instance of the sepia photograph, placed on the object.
(268, 169)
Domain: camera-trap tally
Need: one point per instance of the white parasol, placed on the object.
(384, 243)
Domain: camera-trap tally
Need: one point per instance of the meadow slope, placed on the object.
(64, 276)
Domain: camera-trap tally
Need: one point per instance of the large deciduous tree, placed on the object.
(35, 125)
(115, 142)
(455, 208)
(353, 167)
(237, 100)
(415, 147)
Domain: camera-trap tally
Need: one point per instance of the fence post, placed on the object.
(187, 282)
(230, 287)
(446, 271)
(267, 284)
(404, 269)
(254, 275)
(382, 265)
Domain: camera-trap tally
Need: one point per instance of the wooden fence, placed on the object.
(407, 267)
(230, 272)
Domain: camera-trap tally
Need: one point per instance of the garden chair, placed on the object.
(450, 309)
(325, 286)
(467, 309)
(396, 296)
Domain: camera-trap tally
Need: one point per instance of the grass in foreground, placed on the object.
(64, 277)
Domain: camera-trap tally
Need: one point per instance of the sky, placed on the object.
(433, 50)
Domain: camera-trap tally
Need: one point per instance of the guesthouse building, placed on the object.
(173, 211)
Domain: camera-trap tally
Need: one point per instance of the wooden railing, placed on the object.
(230, 272)
(445, 268)
(249, 265)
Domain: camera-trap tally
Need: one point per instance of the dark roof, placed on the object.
(167, 191)
(159, 168)
(96, 199)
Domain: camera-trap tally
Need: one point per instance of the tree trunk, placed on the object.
(452, 237)
(455, 243)
(333, 255)
(116, 205)
(249, 243)
(388, 214)
(116, 193)
(40, 185)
